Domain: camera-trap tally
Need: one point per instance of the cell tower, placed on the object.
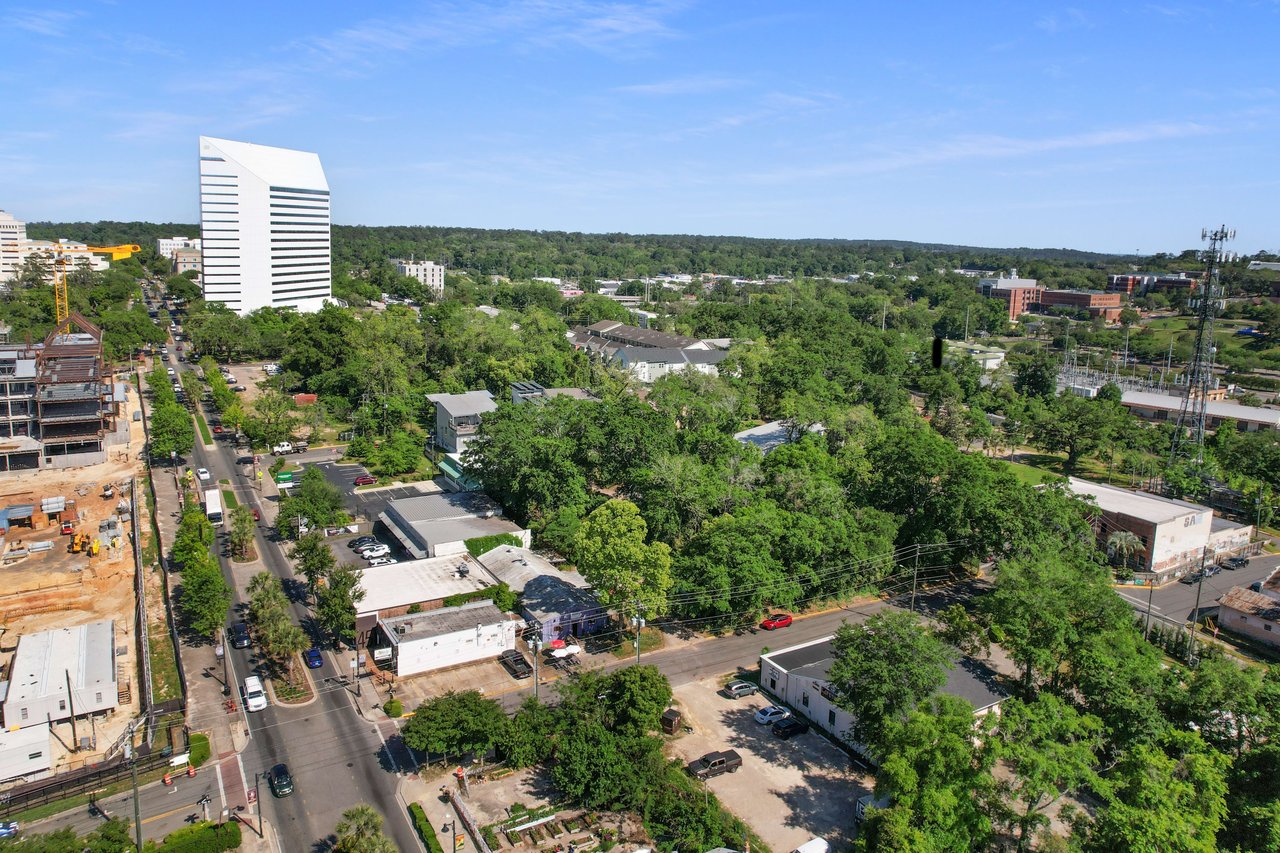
(1188, 439)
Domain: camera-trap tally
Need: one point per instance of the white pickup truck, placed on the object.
(282, 448)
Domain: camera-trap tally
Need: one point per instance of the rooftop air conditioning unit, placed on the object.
(400, 629)
(463, 571)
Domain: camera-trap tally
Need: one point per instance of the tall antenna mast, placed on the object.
(1188, 438)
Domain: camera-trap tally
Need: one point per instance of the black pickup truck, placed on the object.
(715, 763)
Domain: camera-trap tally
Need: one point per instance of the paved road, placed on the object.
(1177, 601)
(337, 758)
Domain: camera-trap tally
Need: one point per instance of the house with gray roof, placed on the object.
(458, 417)
(799, 677)
(560, 610)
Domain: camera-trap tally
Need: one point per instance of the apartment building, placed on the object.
(13, 236)
(166, 246)
(429, 273)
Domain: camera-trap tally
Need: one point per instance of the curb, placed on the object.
(275, 700)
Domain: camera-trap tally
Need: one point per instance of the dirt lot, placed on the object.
(787, 791)
(55, 588)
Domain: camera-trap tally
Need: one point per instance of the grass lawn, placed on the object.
(1034, 466)
(205, 435)
(1165, 329)
(164, 669)
(650, 640)
(229, 498)
(1028, 474)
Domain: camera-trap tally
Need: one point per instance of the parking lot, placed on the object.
(1177, 600)
(368, 503)
(787, 791)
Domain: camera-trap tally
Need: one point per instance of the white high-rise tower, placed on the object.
(264, 224)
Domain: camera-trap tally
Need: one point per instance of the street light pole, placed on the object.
(638, 622)
(1151, 591)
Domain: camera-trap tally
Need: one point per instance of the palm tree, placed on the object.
(360, 831)
(1125, 545)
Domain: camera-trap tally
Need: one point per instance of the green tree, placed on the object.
(454, 724)
(1124, 545)
(593, 767)
(242, 529)
(336, 602)
(360, 831)
(883, 669)
(937, 772)
(272, 421)
(1168, 797)
(1037, 376)
(1077, 426)
(528, 737)
(171, 431)
(1050, 750)
(315, 559)
(205, 596)
(613, 557)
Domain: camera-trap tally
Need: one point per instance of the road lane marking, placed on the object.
(1141, 604)
(164, 815)
(222, 792)
(244, 783)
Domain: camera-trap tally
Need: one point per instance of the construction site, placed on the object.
(71, 444)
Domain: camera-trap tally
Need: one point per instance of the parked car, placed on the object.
(1256, 586)
(203, 474)
(738, 689)
(8, 829)
(217, 429)
(1236, 563)
(240, 389)
(372, 552)
(382, 561)
(365, 480)
(515, 664)
(281, 780)
(362, 541)
(770, 715)
(171, 371)
(777, 620)
(1192, 578)
(240, 636)
(1211, 570)
(790, 727)
(715, 763)
(313, 659)
(257, 516)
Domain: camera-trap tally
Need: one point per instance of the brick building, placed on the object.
(1021, 294)
(1098, 304)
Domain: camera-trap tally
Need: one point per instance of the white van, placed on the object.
(813, 845)
(255, 698)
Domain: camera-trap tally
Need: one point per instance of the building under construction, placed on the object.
(59, 403)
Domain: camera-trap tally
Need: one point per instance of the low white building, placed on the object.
(799, 676)
(166, 246)
(430, 274)
(25, 754)
(649, 364)
(436, 639)
(1151, 406)
(60, 672)
(440, 525)
(418, 585)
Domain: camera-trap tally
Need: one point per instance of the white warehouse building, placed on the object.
(264, 227)
(58, 673)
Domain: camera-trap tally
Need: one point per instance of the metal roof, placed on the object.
(416, 581)
(446, 620)
(1147, 507)
(1214, 408)
(44, 660)
(461, 405)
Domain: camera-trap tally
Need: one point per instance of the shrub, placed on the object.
(203, 838)
(424, 827)
(393, 708)
(484, 544)
(490, 837)
(199, 749)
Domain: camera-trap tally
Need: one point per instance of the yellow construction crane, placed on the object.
(61, 254)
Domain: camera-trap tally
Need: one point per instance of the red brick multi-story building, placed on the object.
(1098, 304)
(1021, 294)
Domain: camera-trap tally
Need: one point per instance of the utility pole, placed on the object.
(1151, 591)
(133, 771)
(1195, 614)
(966, 324)
(257, 803)
(71, 703)
(883, 311)
(535, 645)
(638, 622)
(915, 574)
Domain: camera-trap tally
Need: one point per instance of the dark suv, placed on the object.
(1236, 563)
(281, 780)
(240, 636)
(790, 727)
(515, 664)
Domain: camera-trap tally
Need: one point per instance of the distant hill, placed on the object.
(577, 255)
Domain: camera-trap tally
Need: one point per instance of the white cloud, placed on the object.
(45, 22)
(1067, 19)
(682, 86)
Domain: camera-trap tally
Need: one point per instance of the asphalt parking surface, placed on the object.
(361, 504)
(1177, 601)
(788, 791)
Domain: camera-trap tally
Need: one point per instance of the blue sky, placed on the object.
(1107, 126)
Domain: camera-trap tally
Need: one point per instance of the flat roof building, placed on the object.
(436, 639)
(1166, 407)
(13, 239)
(60, 672)
(264, 226)
(440, 525)
(458, 417)
(430, 274)
(1021, 294)
(392, 590)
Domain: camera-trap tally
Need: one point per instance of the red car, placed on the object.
(366, 480)
(257, 516)
(777, 620)
(217, 429)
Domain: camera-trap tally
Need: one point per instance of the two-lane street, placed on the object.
(1177, 601)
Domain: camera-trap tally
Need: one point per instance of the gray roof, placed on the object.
(444, 505)
(517, 566)
(1214, 408)
(650, 355)
(636, 336)
(461, 405)
(969, 679)
(547, 595)
(462, 529)
(446, 620)
(770, 436)
(43, 661)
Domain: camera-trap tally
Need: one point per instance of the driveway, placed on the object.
(787, 791)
